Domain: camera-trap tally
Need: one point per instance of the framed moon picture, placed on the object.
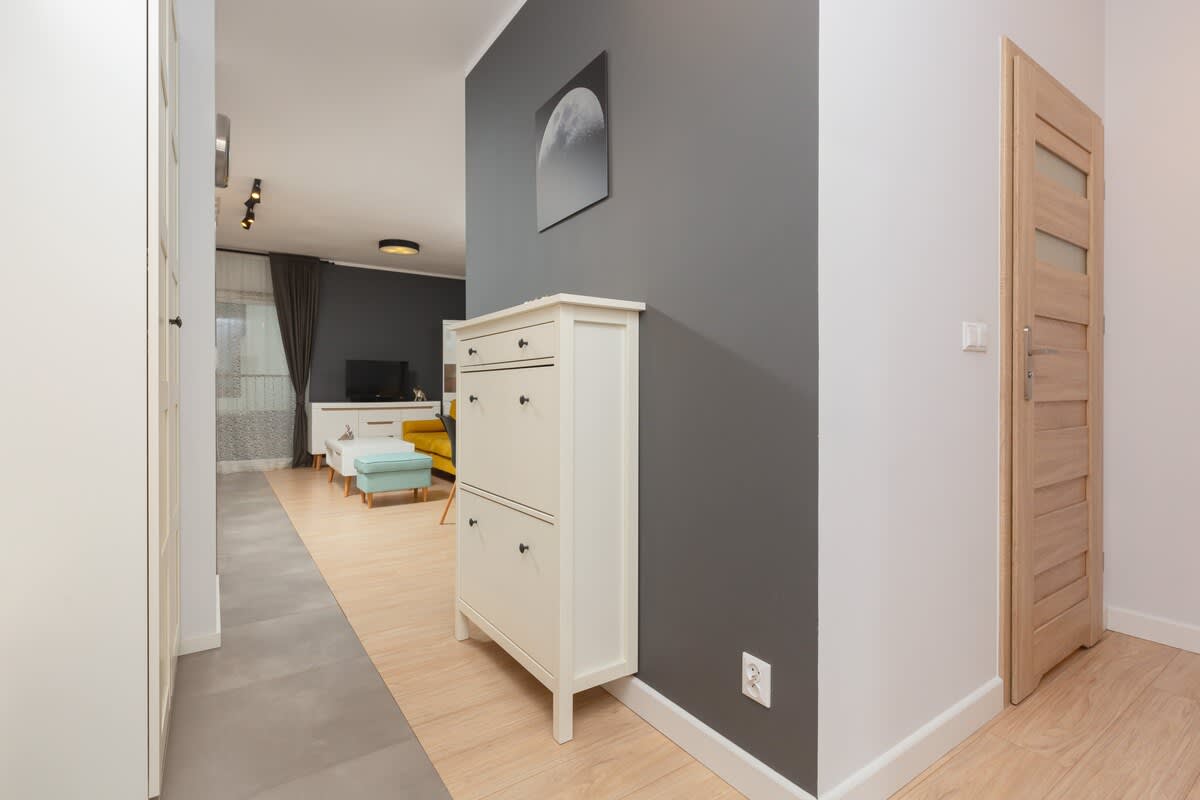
(572, 146)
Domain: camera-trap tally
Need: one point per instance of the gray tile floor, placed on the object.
(289, 706)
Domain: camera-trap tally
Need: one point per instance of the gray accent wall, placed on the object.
(712, 221)
(382, 315)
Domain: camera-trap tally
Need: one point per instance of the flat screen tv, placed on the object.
(371, 381)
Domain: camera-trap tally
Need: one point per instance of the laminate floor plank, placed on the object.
(1151, 753)
(989, 768)
(1063, 719)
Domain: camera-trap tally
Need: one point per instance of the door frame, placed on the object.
(1009, 53)
(1008, 362)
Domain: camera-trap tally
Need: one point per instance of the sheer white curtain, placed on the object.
(255, 401)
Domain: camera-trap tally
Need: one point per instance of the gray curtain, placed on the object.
(296, 284)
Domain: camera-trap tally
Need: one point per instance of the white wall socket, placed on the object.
(756, 679)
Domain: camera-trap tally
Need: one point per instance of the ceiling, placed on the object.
(352, 115)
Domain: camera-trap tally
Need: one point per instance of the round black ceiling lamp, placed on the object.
(399, 247)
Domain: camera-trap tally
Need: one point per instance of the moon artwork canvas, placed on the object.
(572, 146)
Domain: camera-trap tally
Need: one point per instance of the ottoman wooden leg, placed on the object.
(415, 495)
(425, 495)
(364, 498)
(370, 499)
(346, 487)
(330, 475)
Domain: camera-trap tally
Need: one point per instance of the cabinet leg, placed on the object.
(461, 631)
(346, 487)
(564, 717)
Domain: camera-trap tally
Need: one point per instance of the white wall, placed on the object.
(200, 613)
(909, 232)
(73, 636)
(1152, 374)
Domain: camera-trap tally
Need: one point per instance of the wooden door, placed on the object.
(1056, 359)
(163, 359)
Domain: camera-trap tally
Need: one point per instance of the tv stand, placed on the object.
(364, 420)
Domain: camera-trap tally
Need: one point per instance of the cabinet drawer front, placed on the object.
(368, 428)
(506, 446)
(517, 591)
(522, 344)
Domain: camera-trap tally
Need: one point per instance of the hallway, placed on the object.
(289, 706)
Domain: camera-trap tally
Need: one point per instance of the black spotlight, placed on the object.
(256, 192)
(248, 220)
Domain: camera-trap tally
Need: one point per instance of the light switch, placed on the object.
(974, 337)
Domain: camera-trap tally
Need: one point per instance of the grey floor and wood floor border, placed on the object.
(290, 706)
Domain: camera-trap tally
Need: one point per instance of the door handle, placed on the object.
(1030, 352)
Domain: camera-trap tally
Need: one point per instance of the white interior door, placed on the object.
(163, 356)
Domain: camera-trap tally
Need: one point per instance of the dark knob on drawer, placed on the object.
(522, 343)
(524, 399)
(471, 351)
(522, 547)
(472, 522)
(472, 398)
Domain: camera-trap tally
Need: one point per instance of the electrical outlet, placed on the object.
(756, 679)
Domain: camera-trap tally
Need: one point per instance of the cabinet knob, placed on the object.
(522, 547)
(471, 398)
(472, 522)
(524, 399)
(176, 321)
(522, 343)
(471, 351)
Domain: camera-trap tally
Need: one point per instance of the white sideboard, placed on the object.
(365, 420)
(547, 457)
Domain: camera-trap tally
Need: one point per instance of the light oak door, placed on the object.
(164, 326)
(1057, 326)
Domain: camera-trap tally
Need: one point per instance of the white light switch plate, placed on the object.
(974, 337)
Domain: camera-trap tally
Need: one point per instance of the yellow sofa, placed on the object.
(429, 436)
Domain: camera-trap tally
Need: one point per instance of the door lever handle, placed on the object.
(1030, 352)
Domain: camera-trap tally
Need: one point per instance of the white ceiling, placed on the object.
(351, 112)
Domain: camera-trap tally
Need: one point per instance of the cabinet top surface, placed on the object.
(552, 300)
(382, 404)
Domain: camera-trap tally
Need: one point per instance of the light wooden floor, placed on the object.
(1121, 720)
(483, 720)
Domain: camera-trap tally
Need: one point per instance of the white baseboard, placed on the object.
(205, 641)
(1156, 629)
(738, 768)
(912, 755)
(253, 465)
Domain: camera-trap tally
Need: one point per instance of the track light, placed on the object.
(255, 198)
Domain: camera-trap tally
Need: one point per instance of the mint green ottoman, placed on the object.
(392, 472)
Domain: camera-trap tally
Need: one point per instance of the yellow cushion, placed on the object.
(434, 443)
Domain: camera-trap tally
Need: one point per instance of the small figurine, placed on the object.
(419, 395)
(347, 436)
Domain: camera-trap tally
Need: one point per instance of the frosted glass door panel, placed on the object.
(1060, 253)
(1066, 175)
